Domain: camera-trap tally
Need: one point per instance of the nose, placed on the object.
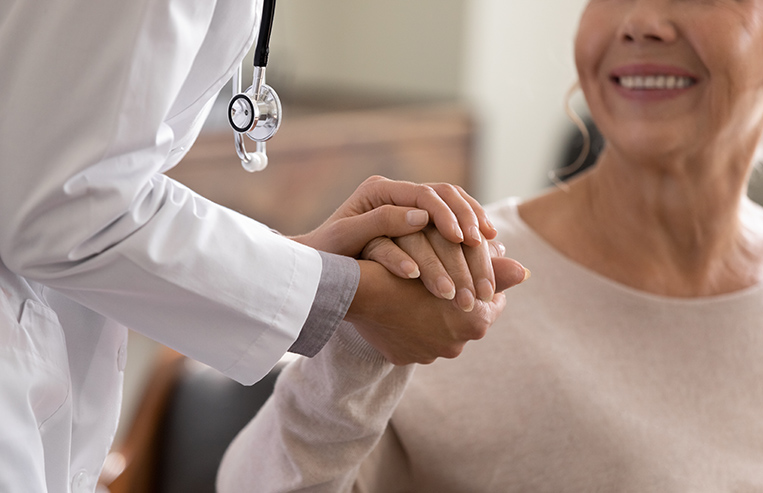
(648, 21)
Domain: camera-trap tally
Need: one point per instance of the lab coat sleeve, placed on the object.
(86, 91)
(326, 415)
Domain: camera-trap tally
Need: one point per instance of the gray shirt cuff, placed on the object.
(336, 289)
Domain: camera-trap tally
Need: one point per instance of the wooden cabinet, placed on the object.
(317, 160)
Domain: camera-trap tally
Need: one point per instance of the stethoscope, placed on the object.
(256, 112)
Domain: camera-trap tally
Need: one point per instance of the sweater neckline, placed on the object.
(581, 272)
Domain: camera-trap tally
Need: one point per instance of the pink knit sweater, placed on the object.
(583, 385)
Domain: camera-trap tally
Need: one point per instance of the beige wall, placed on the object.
(519, 65)
(396, 48)
(511, 60)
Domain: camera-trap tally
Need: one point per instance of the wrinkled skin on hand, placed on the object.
(409, 325)
(392, 310)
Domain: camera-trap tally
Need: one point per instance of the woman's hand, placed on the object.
(448, 270)
(402, 319)
(382, 208)
(406, 324)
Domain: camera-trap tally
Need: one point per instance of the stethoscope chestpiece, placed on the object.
(256, 112)
(258, 117)
(243, 114)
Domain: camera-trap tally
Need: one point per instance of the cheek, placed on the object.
(735, 66)
(584, 48)
(591, 43)
(587, 61)
(732, 48)
(751, 63)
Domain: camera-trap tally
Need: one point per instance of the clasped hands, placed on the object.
(431, 280)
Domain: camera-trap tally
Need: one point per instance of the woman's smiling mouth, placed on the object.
(654, 82)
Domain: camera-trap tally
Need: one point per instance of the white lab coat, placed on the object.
(97, 98)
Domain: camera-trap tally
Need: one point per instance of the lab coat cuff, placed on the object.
(339, 281)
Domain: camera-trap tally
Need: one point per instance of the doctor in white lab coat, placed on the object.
(97, 100)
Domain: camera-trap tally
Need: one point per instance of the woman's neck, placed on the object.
(674, 229)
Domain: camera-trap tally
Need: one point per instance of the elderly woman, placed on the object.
(633, 359)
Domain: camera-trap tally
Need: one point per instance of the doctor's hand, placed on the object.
(403, 321)
(382, 208)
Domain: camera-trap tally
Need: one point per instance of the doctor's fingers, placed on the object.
(473, 219)
(378, 191)
(349, 235)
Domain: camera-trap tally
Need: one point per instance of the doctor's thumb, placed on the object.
(352, 233)
(391, 221)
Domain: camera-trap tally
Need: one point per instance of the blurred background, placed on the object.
(464, 91)
(508, 64)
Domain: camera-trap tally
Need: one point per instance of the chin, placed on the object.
(651, 142)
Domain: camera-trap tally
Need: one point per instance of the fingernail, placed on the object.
(484, 290)
(417, 217)
(527, 275)
(497, 249)
(446, 288)
(410, 269)
(458, 232)
(474, 232)
(465, 300)
(490, 224)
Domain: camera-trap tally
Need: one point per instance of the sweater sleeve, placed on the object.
(327, 414)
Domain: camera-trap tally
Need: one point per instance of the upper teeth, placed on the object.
(655, 81)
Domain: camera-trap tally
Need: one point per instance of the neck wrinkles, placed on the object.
(676, 228)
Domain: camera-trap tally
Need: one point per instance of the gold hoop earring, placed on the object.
(557, 176)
